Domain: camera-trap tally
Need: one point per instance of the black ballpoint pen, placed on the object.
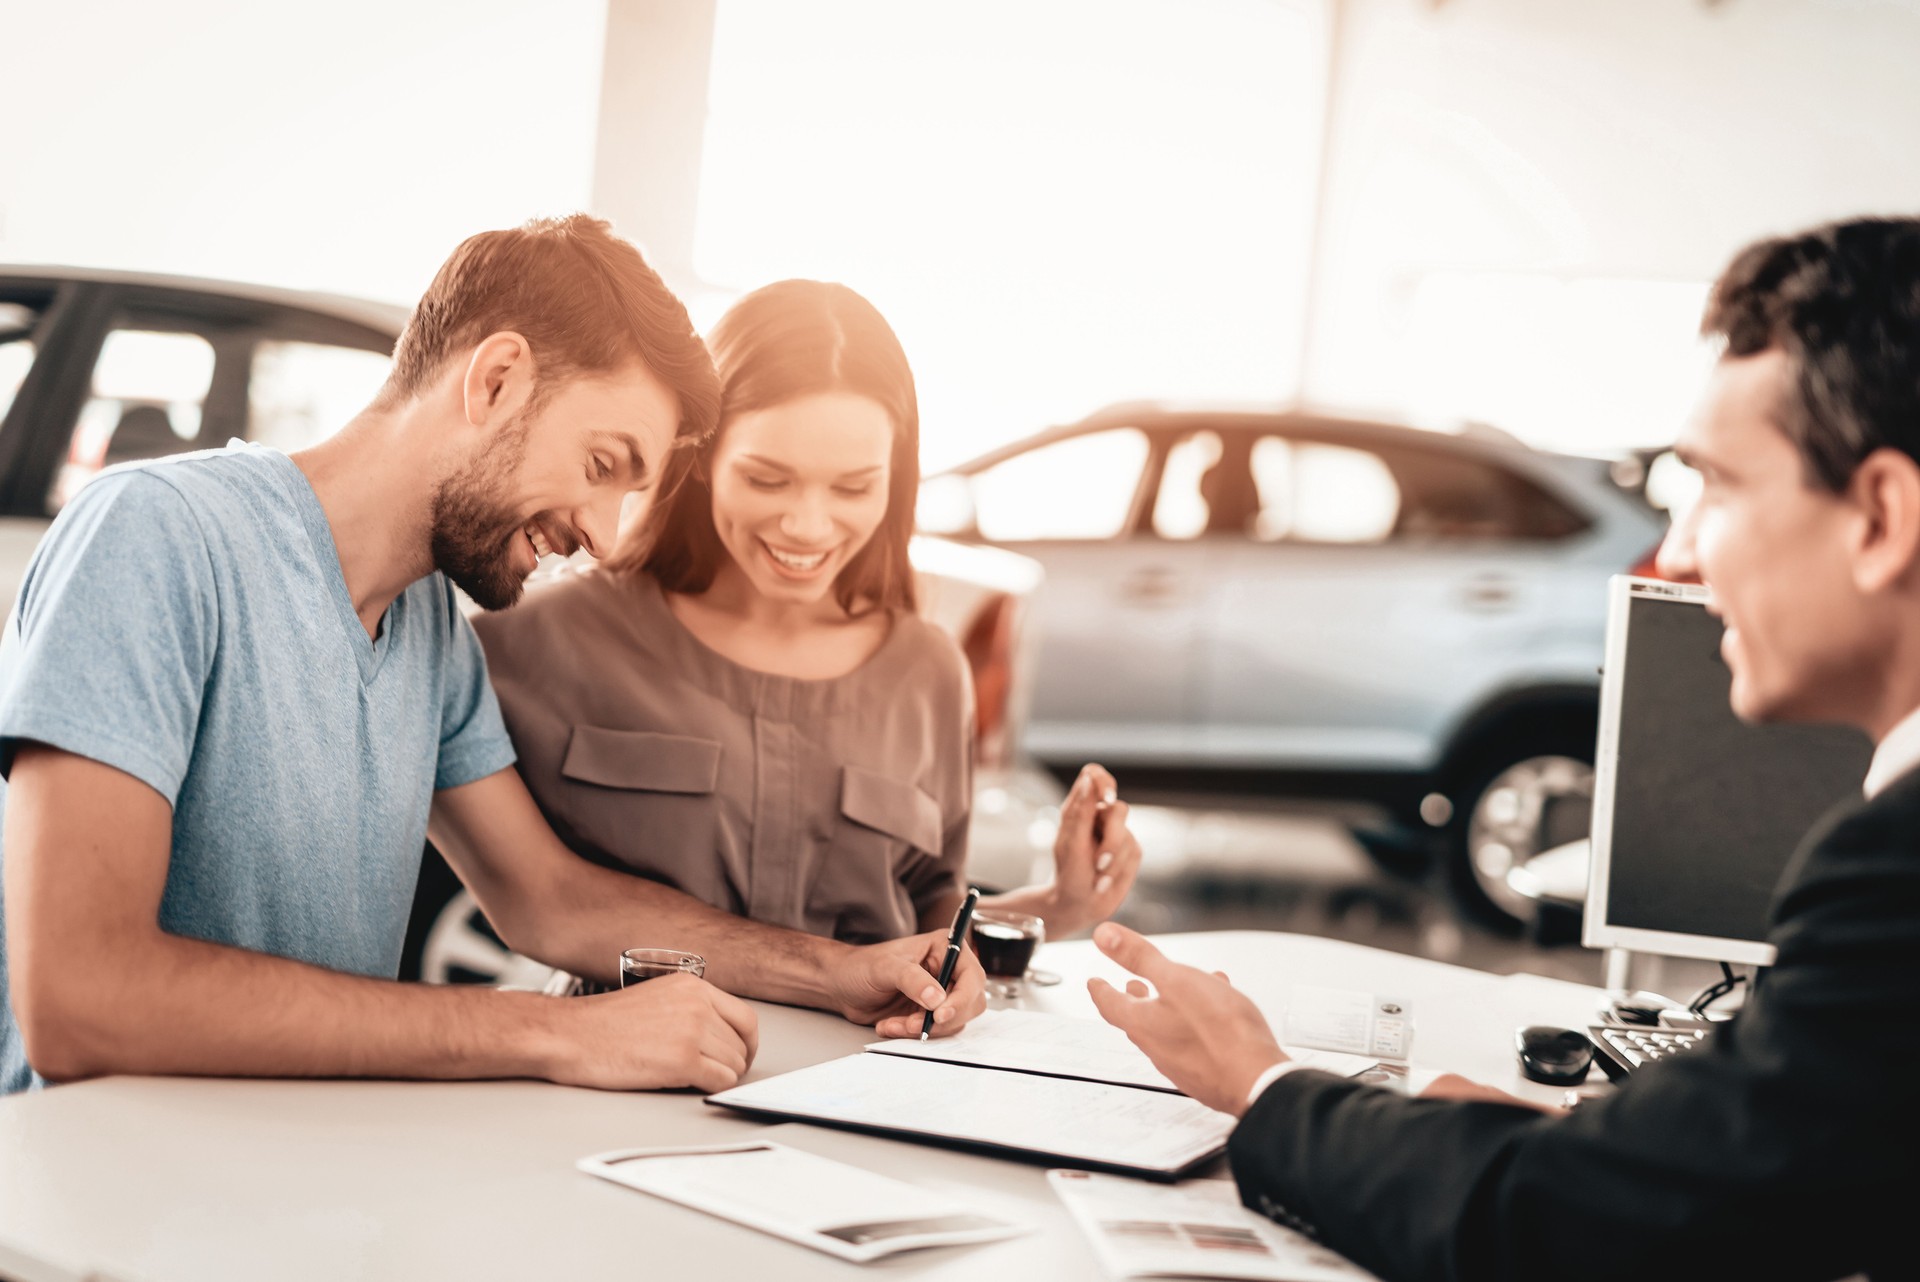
(956, 940)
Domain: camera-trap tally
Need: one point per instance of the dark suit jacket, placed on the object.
(1788, 1147)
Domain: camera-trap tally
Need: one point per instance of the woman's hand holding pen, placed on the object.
(892, 986)
(1095, 856)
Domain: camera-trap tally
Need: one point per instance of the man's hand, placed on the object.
(671, 1031)
(1198, 1029)
(892, 985)
(1095, 857)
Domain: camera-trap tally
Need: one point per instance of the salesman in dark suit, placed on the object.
(1789, 1147)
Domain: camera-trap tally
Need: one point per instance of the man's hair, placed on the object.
(783, 342)
(585, 301)
(1843, 303)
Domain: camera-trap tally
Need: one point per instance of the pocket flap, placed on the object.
(640, 759)
(892, 806)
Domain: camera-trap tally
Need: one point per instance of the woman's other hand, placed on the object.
(1095, 855)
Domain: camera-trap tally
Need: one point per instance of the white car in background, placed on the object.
(100, 367)
(1286, 601)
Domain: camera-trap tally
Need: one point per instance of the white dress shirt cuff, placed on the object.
(1271, 1076)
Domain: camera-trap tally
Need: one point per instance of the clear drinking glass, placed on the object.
(1006, 943)
(638, 965)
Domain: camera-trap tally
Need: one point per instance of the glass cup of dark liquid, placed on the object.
(1006, 943)
(638, 965)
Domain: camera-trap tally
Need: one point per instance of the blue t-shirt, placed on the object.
(187, 622)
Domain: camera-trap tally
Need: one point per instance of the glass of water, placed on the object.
(638, 965)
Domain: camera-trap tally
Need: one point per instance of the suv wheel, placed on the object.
(1519, 804)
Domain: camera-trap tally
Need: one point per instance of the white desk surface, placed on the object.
(170, 1180)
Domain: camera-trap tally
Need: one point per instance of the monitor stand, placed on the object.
(1632, 982)
(1617, 972)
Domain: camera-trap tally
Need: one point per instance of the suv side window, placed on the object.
(1450, 496)
(1079, 488)
(146, 400)
(18, 321)
(1315, 492)
(1181, 509)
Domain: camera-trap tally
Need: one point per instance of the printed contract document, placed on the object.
(1063, 1046)
(1123, 1128)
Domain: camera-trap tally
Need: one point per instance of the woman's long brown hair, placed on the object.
(789, 340)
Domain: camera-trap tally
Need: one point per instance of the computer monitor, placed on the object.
(1696, 813)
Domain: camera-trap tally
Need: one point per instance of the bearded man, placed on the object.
(236, 689)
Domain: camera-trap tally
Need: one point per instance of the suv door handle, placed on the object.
(1155, 585)
(1488, 594)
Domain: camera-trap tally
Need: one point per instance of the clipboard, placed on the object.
(1097, 1126)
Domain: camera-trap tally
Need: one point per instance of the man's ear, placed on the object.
(1885, 491)
(499, 379)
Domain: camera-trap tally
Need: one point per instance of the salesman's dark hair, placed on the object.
(1843, 303)
(783, 342)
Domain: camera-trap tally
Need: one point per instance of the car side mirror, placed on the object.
(946, 506)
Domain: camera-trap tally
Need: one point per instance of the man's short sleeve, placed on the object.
(113, 636)
(473, 737)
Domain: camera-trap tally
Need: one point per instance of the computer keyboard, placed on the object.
(1625, 1047)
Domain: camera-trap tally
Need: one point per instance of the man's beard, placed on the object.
(474, 527)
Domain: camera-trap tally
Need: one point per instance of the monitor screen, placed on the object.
(1703, 811)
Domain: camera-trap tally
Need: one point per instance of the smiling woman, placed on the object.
(745, 705)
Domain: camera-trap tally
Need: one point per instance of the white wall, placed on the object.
(1527, 196)
(344, 146)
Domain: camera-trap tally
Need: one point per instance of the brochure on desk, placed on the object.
(1021, 1084)
(1196, 1229)
(814, 1201)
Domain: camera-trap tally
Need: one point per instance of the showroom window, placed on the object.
(1079, 488)
(1015, 192)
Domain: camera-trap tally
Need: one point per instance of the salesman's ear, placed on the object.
(1885, 496)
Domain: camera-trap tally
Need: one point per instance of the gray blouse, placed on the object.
(838, 807)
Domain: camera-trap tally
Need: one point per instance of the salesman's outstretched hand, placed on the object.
(1198, 1029)
(893, 985)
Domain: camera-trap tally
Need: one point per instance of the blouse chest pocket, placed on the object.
(649, 799)
(886, 845)
(890, 807)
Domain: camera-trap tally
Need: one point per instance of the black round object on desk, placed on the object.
(1555, 1056)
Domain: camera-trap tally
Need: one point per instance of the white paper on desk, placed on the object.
(1077, 1121)
(1029, 1041)
(815, 1201)
(1194, 1229)
(1337, 1019)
